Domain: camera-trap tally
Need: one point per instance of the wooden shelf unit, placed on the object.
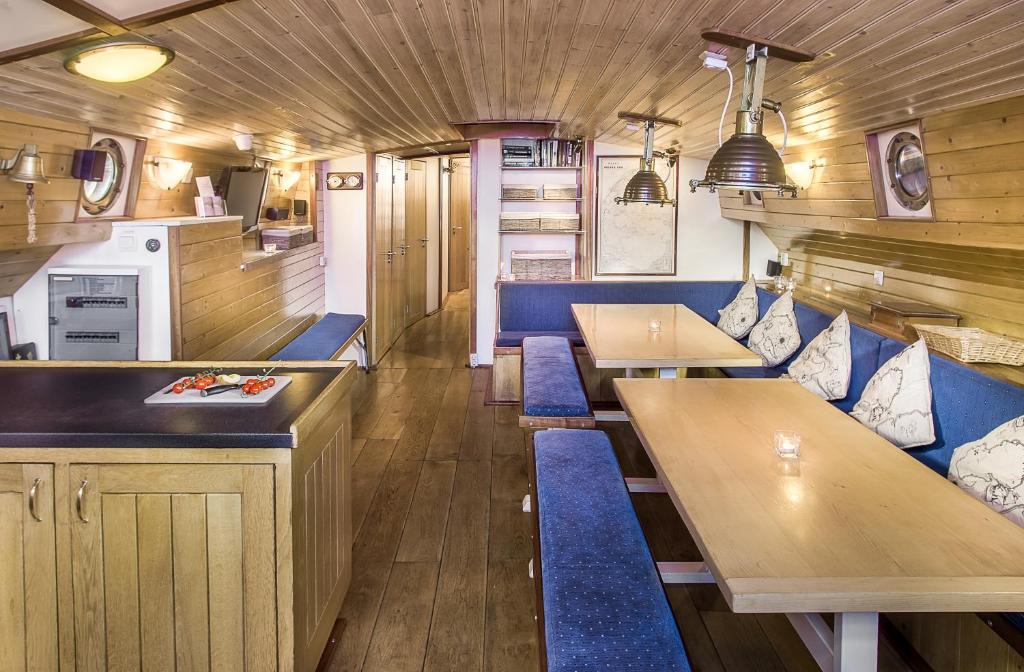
(579, 206)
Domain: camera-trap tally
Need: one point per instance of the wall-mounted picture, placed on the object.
(632, 239)
(112, 187)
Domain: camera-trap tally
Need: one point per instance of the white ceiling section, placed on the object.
(129, 9)
(32, 21)
(336, 77)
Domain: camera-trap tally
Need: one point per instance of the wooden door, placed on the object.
(398, 266)
(28, 568)
(383, 257)
(458, 217)
(173, 567)
(416, 238)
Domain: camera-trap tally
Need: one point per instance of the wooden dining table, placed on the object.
(620, 336)
(854, 526)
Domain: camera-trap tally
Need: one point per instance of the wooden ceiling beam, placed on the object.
(49, 46)
(173, 12)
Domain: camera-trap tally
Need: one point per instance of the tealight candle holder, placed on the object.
(270, 248)
(654, 325)
(787, 444)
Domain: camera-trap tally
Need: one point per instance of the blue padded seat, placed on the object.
(551, 381)
(545, 308)
(322, 340)
(604, 606)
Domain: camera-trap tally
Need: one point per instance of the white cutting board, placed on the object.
(231, 398)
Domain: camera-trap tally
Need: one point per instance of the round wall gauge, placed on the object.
(344, 181)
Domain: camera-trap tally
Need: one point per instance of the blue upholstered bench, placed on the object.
(602, 603)
(553, 393)
(326, 339)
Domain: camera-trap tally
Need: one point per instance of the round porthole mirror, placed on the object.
(99, 196)
(908, 178)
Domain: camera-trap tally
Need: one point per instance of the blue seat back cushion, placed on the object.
(547, 306)
(551, 382)
(966, 405)
(864, 346)
(514, 339)
(321, 340)
(604, 607)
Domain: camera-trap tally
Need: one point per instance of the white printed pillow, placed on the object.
(825, 365)
(776, 337)
(739, 317)
(897, 401)
(992, 469)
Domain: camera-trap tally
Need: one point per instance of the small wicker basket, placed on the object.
(972, 345)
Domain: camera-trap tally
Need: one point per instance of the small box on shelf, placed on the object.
(519, 221)
(561, 192)
(550, 221)
(541, 265)
(523, 192)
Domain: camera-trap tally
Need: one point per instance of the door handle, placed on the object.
(33, 491)
(389, 254)
(78, 501)
(402, 248)
(424, 241)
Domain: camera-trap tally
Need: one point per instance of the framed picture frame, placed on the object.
(115, 195)
(633, 239)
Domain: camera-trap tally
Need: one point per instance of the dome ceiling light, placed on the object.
(646, 186)
(119, 62)
(747, 161)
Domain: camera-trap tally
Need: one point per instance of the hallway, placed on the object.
(441, 548)
(441, 544)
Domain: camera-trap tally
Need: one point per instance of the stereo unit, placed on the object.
(277, 214)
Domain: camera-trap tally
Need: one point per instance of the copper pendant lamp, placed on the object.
(748, 161)
(646, 186)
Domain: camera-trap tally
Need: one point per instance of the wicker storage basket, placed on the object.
(544, 265)
(524, 192)
(519, 221)
(287, 237)
(972, 345)
(560, 192)
(560, 222)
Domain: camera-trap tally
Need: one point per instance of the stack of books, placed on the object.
(541, 153)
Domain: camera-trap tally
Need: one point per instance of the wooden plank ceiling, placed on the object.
(318, 78)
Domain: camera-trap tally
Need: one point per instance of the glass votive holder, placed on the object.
(787, 444)
(654, 325)
(270, 248)
(792, 284)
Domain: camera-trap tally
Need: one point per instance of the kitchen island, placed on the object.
(181, 537)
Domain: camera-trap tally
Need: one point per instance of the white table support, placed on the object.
(685, 572)
(636, 484)
(851, 647)
(663, 372)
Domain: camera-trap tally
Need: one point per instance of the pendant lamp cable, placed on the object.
(785, 133)
(725, 108)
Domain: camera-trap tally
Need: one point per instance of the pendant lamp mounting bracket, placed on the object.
(732, 38)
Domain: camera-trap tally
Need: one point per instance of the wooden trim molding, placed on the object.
(493, 130)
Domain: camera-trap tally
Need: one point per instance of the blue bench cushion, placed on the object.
(322, 340)
(514, 339)
(551, 381)
(604, 605)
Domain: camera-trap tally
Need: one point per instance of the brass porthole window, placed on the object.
(908, 177)
(99, 196)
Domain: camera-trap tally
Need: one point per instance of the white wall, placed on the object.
(345, 240)
(126, 248)
(487, 169)
(433, 177)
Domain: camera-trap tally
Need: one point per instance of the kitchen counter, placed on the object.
(103, 408)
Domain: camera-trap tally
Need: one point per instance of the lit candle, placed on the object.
(654, 325)
(787, 444)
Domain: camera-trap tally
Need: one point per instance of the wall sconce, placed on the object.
(26, 167)
(167, 173)
(243, 141)
(286, 179)
(802, 174)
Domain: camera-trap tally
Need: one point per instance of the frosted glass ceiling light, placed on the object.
(119, 62)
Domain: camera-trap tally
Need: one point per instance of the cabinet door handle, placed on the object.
(78, 501)
(33, 491)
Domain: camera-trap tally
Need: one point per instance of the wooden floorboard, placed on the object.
(440, 580)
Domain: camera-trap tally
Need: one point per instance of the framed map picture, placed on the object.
(633, 239)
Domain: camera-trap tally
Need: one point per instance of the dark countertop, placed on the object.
(44, 407)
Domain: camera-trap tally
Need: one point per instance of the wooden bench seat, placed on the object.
(553, 392)
(602, 605)
(328, 339)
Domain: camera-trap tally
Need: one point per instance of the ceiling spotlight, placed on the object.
(747, 161)
(646, 186)
(119, 62)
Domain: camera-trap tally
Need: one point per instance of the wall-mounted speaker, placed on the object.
(89, 165)
(774, 269)
(300, 207)
(277, 214)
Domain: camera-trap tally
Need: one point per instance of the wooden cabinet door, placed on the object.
(399, 306)
(383, 260)
(28, 568)
(173, 567)
(459, 222)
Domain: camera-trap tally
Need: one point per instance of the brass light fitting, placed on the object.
(646, 186)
